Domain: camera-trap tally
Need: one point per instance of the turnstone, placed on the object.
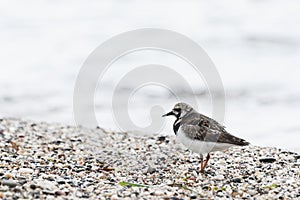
(200, 133)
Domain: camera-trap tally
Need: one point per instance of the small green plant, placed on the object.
(271, 187)
(124, 183)
(222, 188)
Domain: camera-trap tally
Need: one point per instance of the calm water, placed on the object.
(255, 46)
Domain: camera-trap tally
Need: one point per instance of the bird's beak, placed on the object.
(168, 114)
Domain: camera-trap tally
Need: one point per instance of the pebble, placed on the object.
(159, 193)
(114, 197)
(25, 171)
(267, 160)
(10, 183)
(48, 192)
(59, 193)
(33, 186)
(2, 129)
(236, 180)
(218, 177)
(8, 175)
(65, 162)
(161, 138)
(220, 194)
(45, 184)
(193, 196)
(62, 181)
(151, 170)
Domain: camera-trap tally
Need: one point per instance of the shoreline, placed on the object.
(44, 160)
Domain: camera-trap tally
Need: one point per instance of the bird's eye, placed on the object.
(177, 109)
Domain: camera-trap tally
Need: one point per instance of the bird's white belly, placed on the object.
(198, 146)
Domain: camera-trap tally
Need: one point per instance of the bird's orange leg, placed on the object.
(201, 163)
(206, 161)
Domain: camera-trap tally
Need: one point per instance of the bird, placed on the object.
(200, 133)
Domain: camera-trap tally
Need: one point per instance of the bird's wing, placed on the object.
(207, 129)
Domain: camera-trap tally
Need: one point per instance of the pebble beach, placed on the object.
(41, 160)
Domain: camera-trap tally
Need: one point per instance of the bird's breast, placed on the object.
(199, 146)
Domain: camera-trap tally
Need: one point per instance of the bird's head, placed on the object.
(179, 110)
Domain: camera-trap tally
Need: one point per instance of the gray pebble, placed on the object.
(151, 170)
(10, 183)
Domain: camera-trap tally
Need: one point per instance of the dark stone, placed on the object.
(50, 179)
(161, 138)
(136, 193)
(85, 195)
(61, 182)
(17, 190)
(282, 163)
(206, 187)
(111, 179)
(10, 183)
(75, 140)
(42, 170)
(57, 142)
(89, 167)
(33, 187)
(236, 180)
(71, 183)
(59, 193)
(287, 152)
(267, 160)
(48, 192)
(81, 170)
(33, 125)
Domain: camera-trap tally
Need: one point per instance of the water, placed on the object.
(255, 46)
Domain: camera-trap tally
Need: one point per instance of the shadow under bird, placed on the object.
(200, 133)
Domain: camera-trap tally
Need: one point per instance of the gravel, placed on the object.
(47, 161)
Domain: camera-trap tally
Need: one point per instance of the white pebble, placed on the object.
(25, 171)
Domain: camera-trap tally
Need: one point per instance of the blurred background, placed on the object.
(255, 46)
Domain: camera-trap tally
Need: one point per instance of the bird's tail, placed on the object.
(243, 142)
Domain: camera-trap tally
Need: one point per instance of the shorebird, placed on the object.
(200, 133)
